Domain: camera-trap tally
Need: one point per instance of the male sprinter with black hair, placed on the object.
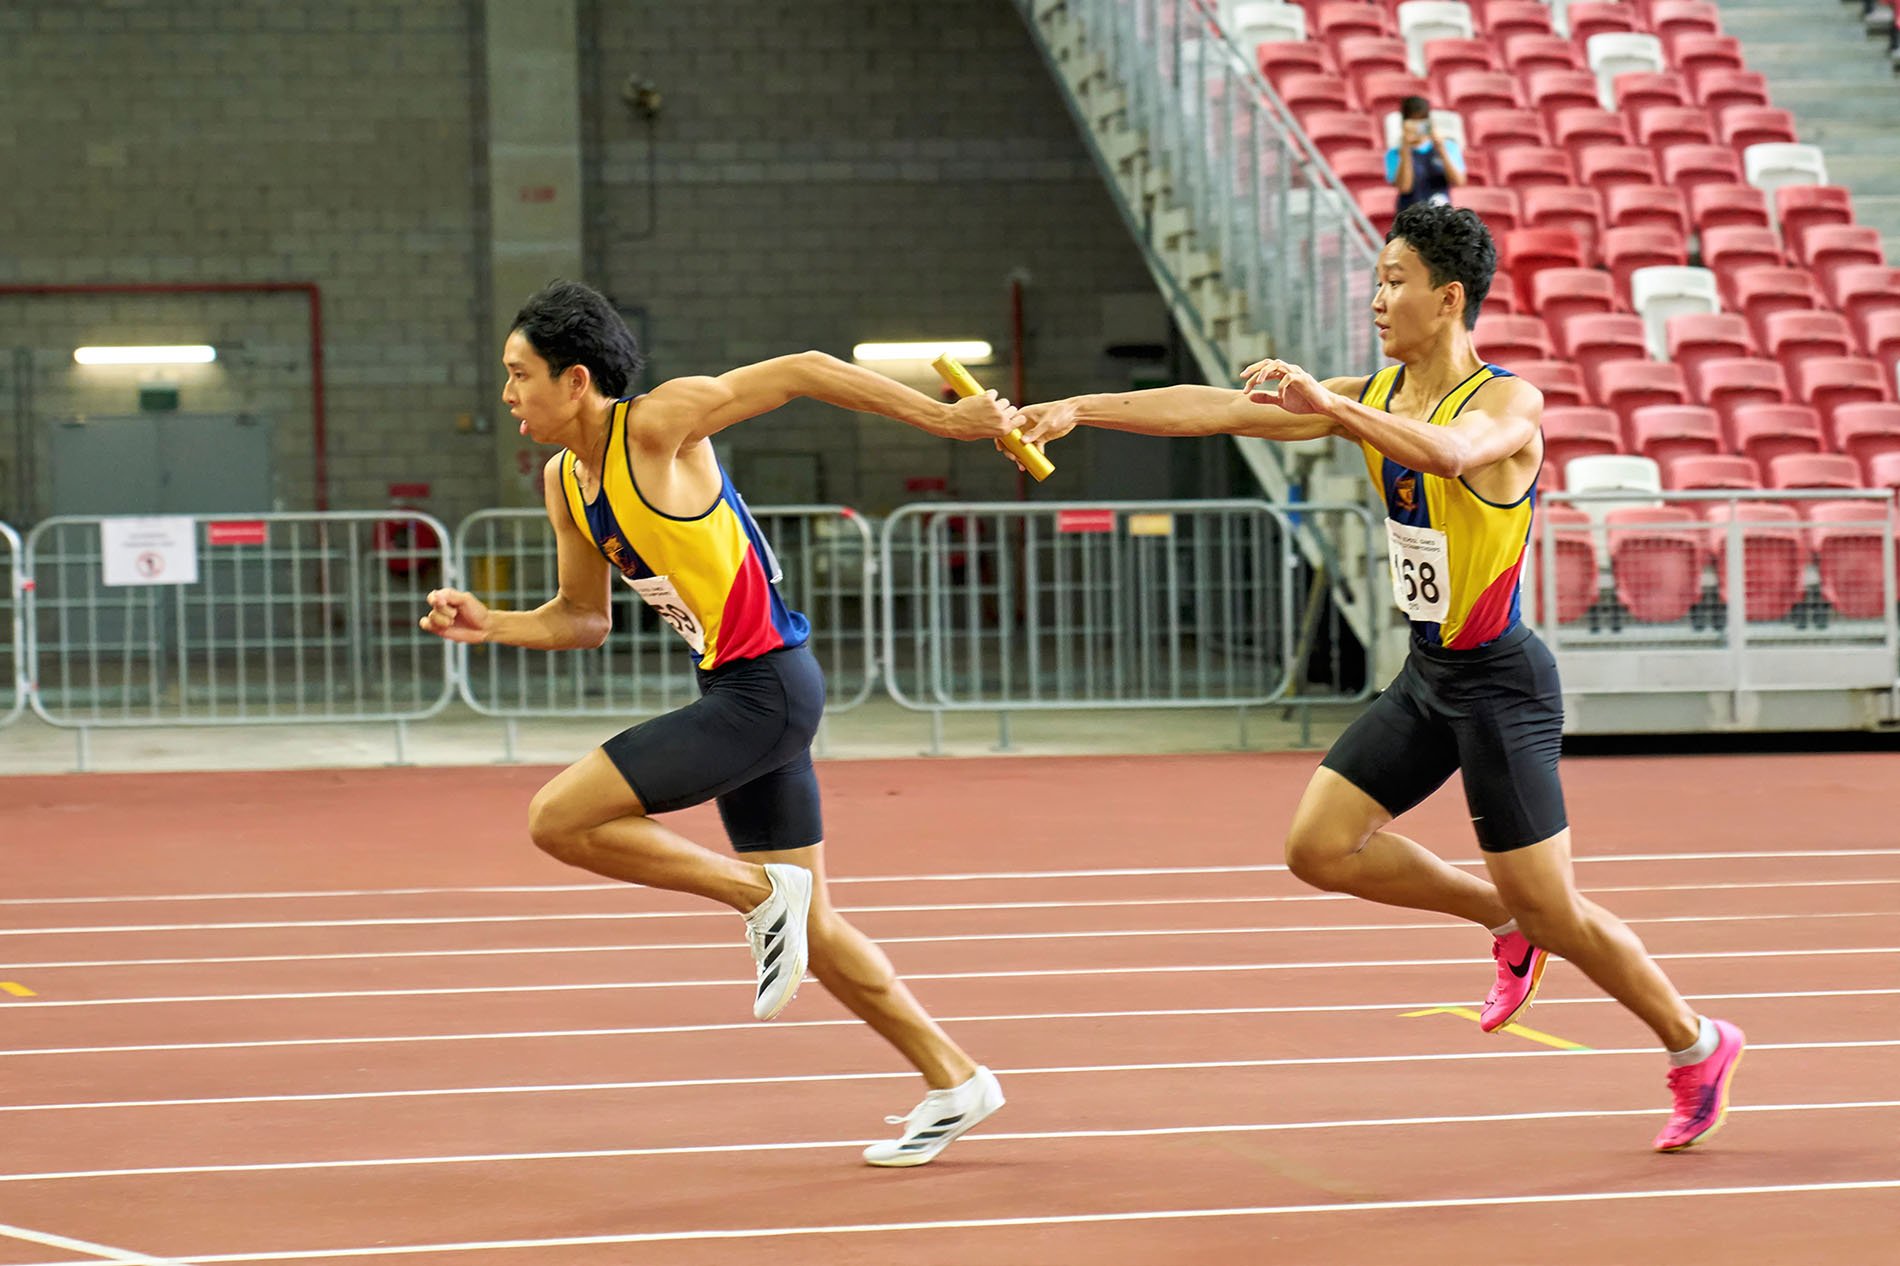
(1455, 447)
(637, 486)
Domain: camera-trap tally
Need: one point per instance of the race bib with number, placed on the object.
(1421, 571)
(658, 592)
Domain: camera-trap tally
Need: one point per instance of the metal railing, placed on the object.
(13, 681)
(508, 560)
(1719, 591)
(290, 618)
(1009, 607)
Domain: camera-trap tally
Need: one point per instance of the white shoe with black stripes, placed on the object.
(942, 1118)
(780, 946)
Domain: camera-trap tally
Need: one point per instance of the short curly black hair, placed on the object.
(1455, 245)
(569, 324)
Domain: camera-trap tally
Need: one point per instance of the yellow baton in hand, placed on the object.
(1032, 458)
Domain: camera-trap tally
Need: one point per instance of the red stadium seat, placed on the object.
(1698, 52)
(1566, 207)
(1656, 558)
(1498, 208)
(1677, 17)
(1333, 131)
(1559, 380)
(1592, 17)
(1576, 128)
(1606, 166)
(1711, 474)
(1526, 166)
(1858, 289)
(1687, 166)
(1304, 93)
(1849, 539)
(1502, 297)
(1883, 471)
(1664, 432)
(1359, 169)
(1382, 92)
(1814, 470)
(1729, 251)
(1719, 87)
(1499, 129)
(1640, 90)
(1764, 432)
(1828, 382)
(1281, 59)
(1720, 206)
(1726, 385)
(1626, 250)
(1865, 430)
(1640, 206)
(1503, 339)
(1794, 337)
(1443, 56)
(1557, 294)
(1695, 337)
(1550, 90)
(1798, 207)
(1527, 252)
(1468, 91)
(1595, 338)
(1501, 19)
(1879, 334)
(1524, 54)
(1828, 248)
(1628, 385)
(1774, 556)
(1360, 55)
(1663, 126)
(1756, 292)
(1742, 125)
(1379, 206)
(1342, 18)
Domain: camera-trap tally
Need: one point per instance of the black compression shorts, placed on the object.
(745, 742)
(1497, 713)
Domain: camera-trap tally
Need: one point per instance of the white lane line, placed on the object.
(945, 877)
(957, 939)
(104, 1252)
(677, 1083)
(628, 1153)
(1035, 973)
(752, 1026)
(710, 911)
(1049, 1220)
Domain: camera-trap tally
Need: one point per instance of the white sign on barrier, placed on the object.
(156, 551)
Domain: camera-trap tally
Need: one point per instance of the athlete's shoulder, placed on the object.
(1505, 390)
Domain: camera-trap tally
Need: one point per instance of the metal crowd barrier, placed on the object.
(288, 618)
(13, 689)
(1010, 606)
(1647, 592)
(508, 559)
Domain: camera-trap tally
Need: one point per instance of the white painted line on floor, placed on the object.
(677, 1083)
(752, 1026)
(628, 1153)
(1050, 1220)
(944, 877)
(1036, 972)
(104, 1252)
(1442, 925)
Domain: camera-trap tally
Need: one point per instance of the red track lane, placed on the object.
(126, 836)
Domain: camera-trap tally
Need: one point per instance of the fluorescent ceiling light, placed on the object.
(186, 354)
(973, 351)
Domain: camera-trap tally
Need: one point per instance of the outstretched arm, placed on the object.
(579, 614)
(1180, 411)
(684, 411)
(1477, 438)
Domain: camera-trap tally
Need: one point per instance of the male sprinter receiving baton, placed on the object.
(1455, 447)
(638, 486)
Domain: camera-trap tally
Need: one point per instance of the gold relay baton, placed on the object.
(1032, 458)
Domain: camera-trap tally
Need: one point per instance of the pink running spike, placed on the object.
(1520, 968)
(1701, 1092)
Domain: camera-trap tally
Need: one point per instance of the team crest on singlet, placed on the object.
(1407, 492)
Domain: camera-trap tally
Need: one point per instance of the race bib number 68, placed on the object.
(658, 592)
(1421, 571)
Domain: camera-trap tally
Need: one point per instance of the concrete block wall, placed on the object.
(828, 171)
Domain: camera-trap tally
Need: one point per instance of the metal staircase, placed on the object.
(1255, 246)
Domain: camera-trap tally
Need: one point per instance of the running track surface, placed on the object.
(331, 1017)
